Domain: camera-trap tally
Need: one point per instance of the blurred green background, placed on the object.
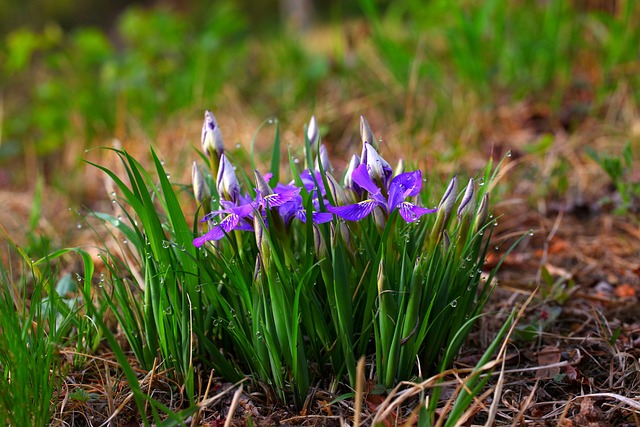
(443, 78)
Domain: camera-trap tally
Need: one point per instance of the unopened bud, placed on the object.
(468, 201)
(353, 164)
(261, 185)
(313, 136)
(211, 137)
(449, 198)
(446, 241)
(379, 170)
(337, 191)
(483, 213)
(320, 245)
(227, 181)
(444, 210)
(381, 277)
(200, 189)
(323, 159)
(261, 240)
(312, 132)
(366, 134)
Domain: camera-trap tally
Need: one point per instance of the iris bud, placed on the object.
(449, 198)
(313, 136)
(353, 164)
(339, 196)
(312, 132)
(211, 137)
(366, 134)
(483, 213)
(379, 170)
(468, 201)
(261, 185)
(444, 210)
(227, 182)
(323, 159)
(200, 189)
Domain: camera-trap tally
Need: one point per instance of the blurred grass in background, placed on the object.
(435, 75)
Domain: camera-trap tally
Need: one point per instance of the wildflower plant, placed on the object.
(284, 281)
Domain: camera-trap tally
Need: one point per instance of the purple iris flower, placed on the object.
(239, 215)
(310, 184)
(402, 186)
(234, 217)
(294, 208)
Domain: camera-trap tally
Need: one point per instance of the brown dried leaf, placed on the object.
(548, 356)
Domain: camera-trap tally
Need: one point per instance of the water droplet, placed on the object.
(113, 194)
(481, 232)
(530, 232)
(125, 241)
(166, 244)
(296, 160)
(238, 145)
(481, 182)
(454, 303)
(119, 217)
(495, 223)
(234, 168)
(78, 226)
(168, 311)
(497, 248)
(162, 162)
(270, 121)
(509, 153)
(113, 201)
(168, 176)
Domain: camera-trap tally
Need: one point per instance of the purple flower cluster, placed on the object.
(368, 185)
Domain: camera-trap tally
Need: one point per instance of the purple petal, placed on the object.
(403, 186)
(309, 183)
(229, 223)
(317, 217)
(321, 217)
(354, 212)
(277, 199)
(214, 234)
(361, 177)
(243, 211)
(410, 212)
(245, 225)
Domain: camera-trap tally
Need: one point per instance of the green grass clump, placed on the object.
(290, 282)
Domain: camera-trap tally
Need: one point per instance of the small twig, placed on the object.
(233, 407)
(359, 392)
